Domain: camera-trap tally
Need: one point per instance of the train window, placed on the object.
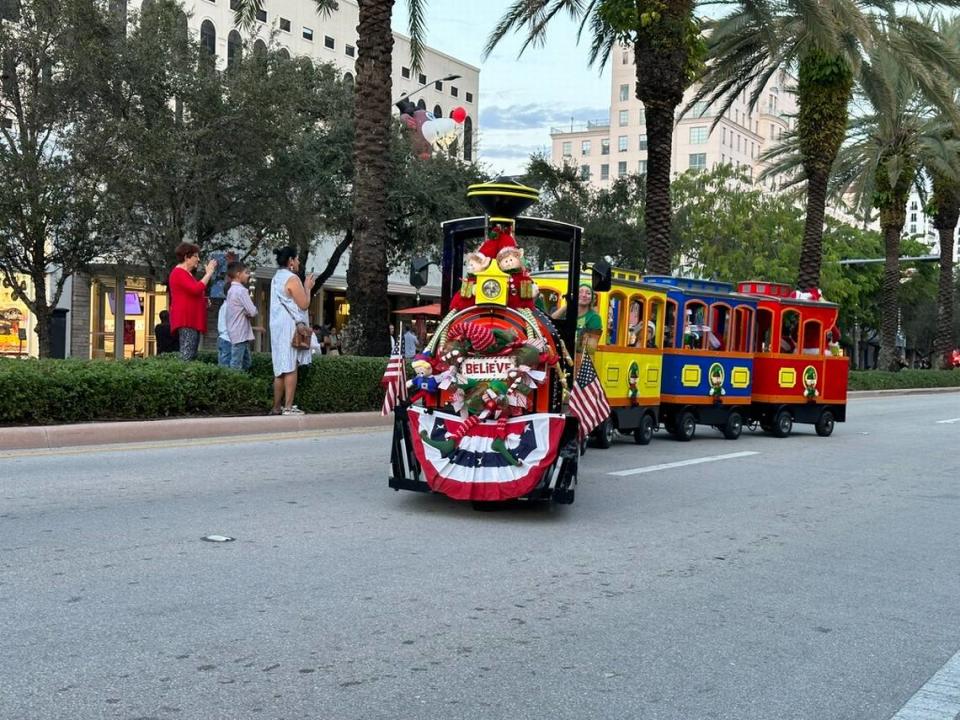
(789, 327)
(695, 327)
(614, 313)
(670, 324)
(551, 300)
(654, 320)
(812, 334)
(720, 326)
(742, 330)
(635, 327)
(764, 330)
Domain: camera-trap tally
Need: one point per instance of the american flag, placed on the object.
(588, 401)
(394, 377)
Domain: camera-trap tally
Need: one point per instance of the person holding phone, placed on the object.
(188, 301)
(289, 300)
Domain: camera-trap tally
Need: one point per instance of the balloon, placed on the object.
(458, 114)
(438, 131)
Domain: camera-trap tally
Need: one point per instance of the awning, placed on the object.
(432, 310)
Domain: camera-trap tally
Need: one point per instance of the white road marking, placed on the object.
(938, 699)
(948, 422)
(681, 463)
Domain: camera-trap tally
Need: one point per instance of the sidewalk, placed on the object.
(133, 431)
(45, 437)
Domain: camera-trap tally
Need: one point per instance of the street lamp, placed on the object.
(448, 78)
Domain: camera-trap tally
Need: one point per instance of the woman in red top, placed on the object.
(188, 302)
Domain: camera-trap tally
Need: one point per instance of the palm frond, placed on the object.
(325, 8)
(417, 29)
(245, 14)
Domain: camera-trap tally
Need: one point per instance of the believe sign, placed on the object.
(485, 368)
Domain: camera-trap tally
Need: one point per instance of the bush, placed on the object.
(883, 380)
(63, 391)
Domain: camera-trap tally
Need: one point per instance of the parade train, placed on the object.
(487, 418)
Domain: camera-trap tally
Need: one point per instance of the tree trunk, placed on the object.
(945, 221)
(658, 214)
(366, 332)
(889, 304)
(824, 89)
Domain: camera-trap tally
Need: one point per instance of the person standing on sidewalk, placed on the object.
(188, 302)
(289, 300)
(240, 310)
(223, 337)
(167, 341)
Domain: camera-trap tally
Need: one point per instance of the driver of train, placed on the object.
(589, 324)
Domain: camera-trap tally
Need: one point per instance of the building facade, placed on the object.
(606, 149)
(102, 326)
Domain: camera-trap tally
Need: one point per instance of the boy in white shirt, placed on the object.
(240, 309)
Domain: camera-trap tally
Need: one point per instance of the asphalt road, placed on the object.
(816, 579)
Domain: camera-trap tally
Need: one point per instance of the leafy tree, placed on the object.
(665, 39)
(824, 44)
(367, 274)
(50, 197)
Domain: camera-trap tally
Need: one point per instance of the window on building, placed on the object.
(234, 4)
(738, 143)
(308, 34)
(698, 110)
(348, 79)
(625, 58)
(284, 25)
(208, 37)
(642, 167)
(621, 168)
(454, 91)
(698, 161)
(771, 131)
(421, 104)
(698, 134)
(584, 172)
(622, 144)
(723, 136)
(349, 50)
(438, 85)
(913, 229)
(913, 217)
(584, 147)
(567, 149)
(468, 96)
(468, 139)
(234, 48)
(913, 205)
(624, 92)
(405, 72)
(643, 117)
(422, 79)
(329, 42)
(260, 48)
(643, 142)
(284, 53)
(624, 118)
(437, 111)
(605, 146)
(605, 172)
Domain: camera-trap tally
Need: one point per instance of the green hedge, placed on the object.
(63, 391)
(882, 380)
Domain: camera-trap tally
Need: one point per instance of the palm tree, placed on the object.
(892, 138)
(667, 47)
(367, 273)
(824, 44)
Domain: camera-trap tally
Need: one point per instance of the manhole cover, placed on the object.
(217, 538)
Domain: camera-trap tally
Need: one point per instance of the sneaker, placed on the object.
(293, 410)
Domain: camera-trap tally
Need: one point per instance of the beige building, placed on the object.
(606, 149)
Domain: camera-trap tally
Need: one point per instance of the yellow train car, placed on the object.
(629, 350)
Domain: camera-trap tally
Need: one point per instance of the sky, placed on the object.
(520, 99)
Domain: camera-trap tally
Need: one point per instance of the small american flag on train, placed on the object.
(588, 401)
(394, 378)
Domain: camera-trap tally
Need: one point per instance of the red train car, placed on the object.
(800, 373)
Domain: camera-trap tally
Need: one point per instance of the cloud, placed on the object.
(532, 115)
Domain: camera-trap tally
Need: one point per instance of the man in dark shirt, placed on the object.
(167, 342)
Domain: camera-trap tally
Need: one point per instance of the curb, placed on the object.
(901, 391)
(49, 437)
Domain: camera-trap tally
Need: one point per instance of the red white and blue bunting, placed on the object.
(480, 468)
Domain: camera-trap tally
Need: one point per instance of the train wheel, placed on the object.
(733, 427)
(782, 423)
(824, 426)
(686, 426)
(605, 434)
(644, 434)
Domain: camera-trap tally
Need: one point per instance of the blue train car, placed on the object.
(707, 356)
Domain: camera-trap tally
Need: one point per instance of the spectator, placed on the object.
(392, 334)
(240, 310)
(409, 343)
(167, 342)
(188, 305)
(323, 337)
(589, 324)
(223, 337)
(289, 300)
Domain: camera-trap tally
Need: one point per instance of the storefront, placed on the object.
(17, 324)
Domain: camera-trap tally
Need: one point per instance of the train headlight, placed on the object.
(491, 289)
